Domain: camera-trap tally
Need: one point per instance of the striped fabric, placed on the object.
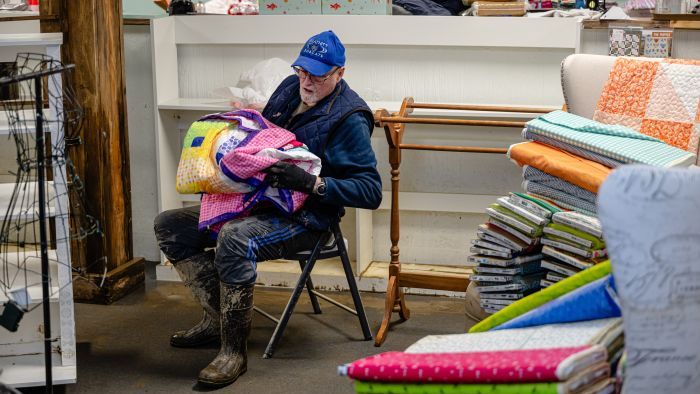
(558, 196)
(542, 178)
(585, 153)
(618, 142)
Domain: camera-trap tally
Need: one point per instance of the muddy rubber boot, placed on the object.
(236, 317)
(199, 274)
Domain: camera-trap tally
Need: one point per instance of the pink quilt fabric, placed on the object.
(246, 163)
(538, 365)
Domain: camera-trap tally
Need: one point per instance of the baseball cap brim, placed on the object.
(313, 67)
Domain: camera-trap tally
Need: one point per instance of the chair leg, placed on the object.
(310, 290)
(306, 272)
(352, 283)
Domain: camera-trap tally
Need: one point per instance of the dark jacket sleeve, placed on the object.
(352, 179)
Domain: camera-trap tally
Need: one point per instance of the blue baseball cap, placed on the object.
(321, 53)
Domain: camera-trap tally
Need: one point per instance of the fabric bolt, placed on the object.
(512, 216)
(542, 203)
(542, 297)
(513, 366)
(565, 206)
(540, 189)
(618, 142)
(575, 235)
(533, 174)
(584, 153)
(599, 385)
(586, 223)
(595, 300)
(576, 170)
(659, 99)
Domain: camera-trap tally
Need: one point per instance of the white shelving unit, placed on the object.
(504, 61)
(21, 352)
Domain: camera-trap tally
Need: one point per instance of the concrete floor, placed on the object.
(123, 347)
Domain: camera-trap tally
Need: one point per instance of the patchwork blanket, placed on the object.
(509, 366)
(224, 156)
(576, 170)
(595, 300)
(618, 142)
(542, 297)
(658, 99)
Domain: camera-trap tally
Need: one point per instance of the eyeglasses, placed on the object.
(302, 74)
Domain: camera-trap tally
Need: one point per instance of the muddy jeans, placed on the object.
(240, 245)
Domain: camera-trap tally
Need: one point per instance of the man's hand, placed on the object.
(285, 175)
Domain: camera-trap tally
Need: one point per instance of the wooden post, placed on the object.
(93, 41)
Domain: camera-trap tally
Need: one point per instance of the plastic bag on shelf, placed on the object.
(256, 85)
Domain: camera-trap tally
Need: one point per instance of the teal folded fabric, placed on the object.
(618, 142)
(542, 297)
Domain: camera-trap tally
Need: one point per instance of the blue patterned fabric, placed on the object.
(595, 300)
(618, 142)
(542, 178)
(559, 196)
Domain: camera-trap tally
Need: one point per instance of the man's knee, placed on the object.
(233, 239)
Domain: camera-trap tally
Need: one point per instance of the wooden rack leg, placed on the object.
(394, 295)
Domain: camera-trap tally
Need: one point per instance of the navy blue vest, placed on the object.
(315, 128)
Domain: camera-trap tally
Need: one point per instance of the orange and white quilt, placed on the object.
(659, 99)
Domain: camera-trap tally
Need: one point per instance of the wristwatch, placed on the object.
(320, 189)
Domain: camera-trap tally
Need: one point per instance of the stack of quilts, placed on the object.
(572, 242)
(558, 358)
(507, 250)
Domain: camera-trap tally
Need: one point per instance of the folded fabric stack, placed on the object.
(507, 251)
(572, 242)
(499, 8)
(559, 358)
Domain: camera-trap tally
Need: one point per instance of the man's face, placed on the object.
(314, 89)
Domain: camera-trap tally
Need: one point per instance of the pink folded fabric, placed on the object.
(537, 365)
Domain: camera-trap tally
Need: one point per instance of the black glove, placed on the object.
(289, 176)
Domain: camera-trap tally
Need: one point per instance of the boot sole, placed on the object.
(213, 384)
(175, 343)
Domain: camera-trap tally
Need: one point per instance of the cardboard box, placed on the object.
(290, 7)
(357, 7)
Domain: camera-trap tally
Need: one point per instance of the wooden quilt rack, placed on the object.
(394, 125)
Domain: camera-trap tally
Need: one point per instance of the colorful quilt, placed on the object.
(595, 300)
(542, 297)
(513, 366)
(576, 170)
(224, 156)
(618, 142)
(658, 99)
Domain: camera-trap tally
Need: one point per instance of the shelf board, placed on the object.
(556, 33)
(24, 213)
(31, 39)
(28, 371)
(221, 105)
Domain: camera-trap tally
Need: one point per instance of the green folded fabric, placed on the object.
(508, 212)
(597, 243)
(542, 297)
(413, 388)
(544, 204)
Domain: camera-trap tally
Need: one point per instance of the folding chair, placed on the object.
(330, 244)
